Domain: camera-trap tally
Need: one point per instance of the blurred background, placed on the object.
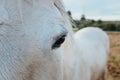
(104, 14)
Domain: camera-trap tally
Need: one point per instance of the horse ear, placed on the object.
(3, 15)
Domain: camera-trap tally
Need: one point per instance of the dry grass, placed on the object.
(114, 59)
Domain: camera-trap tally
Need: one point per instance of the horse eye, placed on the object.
(58, 42)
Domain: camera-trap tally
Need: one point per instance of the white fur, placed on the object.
(93, 46)
(28, 29)
(86, 59)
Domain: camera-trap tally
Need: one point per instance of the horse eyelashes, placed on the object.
(58, 42)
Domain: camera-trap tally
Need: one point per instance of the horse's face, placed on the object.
(41, 32)
(45, 25)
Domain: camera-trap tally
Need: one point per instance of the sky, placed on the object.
(94, 9)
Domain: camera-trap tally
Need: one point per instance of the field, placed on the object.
(114, 57)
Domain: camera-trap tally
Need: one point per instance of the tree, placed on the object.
(118, 27)
(91, 22)
(110, 27)
(99, 21)
(69, 13)
(83, 18)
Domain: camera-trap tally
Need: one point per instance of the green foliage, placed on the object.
(77, 22)
(83, 18)
(118, 27)
(105, 25)
(110, 27)
(69, 13)
(92, 21)
(99, 21)
(101, 24)
(81, 26)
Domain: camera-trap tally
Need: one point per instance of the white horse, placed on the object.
(31, 34)
(94, 48)
(89, 59)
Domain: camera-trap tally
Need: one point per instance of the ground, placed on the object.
(114, 57)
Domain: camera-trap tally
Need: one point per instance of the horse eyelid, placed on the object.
(58, 42)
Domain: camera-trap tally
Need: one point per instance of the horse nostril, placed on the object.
(58, 42)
